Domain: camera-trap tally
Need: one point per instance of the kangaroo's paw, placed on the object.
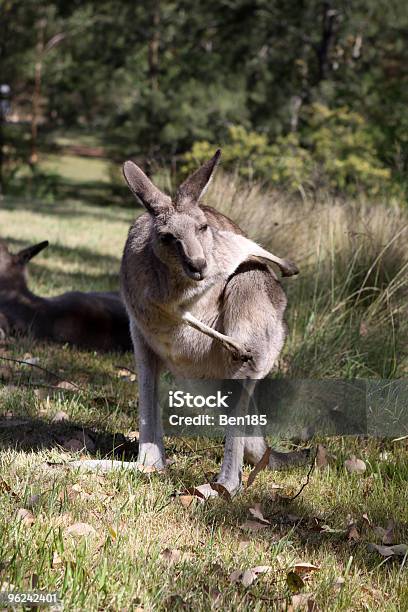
(241, 352)
(280, 461)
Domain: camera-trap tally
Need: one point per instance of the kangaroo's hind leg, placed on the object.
(254, 305)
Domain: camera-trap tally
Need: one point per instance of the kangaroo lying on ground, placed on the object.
(96, 321)
(203, 303)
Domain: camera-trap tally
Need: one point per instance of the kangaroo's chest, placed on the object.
(184, 350)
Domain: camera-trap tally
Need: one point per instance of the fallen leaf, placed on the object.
(303, 567)
(56, 560)
(322, 457)
(29, 360)
(354, 465)
(60, 416)
(67, 385)
(126, 375)
(4, 486)
(256, 512)
(248, 576)
(303, 601)
(352, 533)
(294, 582)
(366, 519)
(25, 516)
(261, 465)
(389, 537)
(339, 583)
(80, 529)
(204, 491)
(132, 435)
(187, 496)
(253, 526)
(186, 500)
(398, 550)
(379, 531)
(174, 555)
(221, 490)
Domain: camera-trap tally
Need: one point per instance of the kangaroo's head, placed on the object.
(181, 237)
(13, 266)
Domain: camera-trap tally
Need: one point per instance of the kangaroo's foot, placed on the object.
(220, 488)
(151, 458)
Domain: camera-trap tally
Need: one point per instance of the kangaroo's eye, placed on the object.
(203, 227)
(166, 238)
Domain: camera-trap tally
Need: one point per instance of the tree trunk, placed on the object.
(153, 49)
(323, 49)
(35, 106)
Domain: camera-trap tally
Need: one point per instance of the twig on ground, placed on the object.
(35, 365)
(45, 386)
(312, 466)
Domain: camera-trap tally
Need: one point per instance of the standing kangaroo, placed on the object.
(202, 303)
(96, 321)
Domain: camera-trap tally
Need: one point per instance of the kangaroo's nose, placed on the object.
(197, 265)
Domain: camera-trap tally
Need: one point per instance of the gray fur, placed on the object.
(203, 303)
(96, 321)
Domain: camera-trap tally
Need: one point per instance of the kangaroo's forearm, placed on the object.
(227, 342)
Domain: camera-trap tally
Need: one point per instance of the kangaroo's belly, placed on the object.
(187, 352)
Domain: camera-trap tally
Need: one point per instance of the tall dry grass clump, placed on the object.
(347, 310)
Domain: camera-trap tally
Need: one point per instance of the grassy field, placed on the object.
(124, 541)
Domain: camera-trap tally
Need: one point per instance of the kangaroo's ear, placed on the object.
(194, 187)
(25, 255)
(151, 197)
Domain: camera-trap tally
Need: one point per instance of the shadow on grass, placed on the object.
(76, 254)
(34, 434)
(107, 209)
(61, 280)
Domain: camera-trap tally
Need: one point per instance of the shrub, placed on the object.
(334, 150)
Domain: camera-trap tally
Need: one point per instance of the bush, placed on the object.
(334, 150)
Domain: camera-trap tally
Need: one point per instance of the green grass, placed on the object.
(73, 168)
(135, 516)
